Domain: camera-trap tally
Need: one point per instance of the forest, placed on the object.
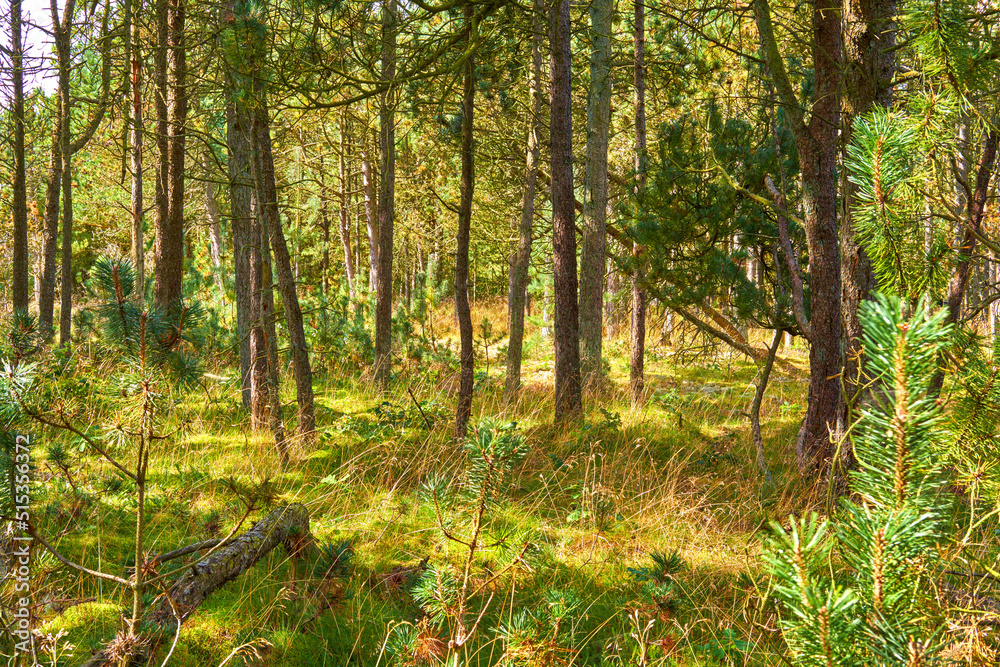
(499, 332)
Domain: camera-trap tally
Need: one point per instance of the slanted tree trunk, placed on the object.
(595, 200)
(287, 525)
(568, 396)
(521, 261)
(20, 292)
(637, 352)
(467, 185)
(268, 358)
(386, 198)
(267, 195)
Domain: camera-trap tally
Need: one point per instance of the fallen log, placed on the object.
(287, 525)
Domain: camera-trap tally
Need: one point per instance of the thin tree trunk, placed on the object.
(758, 398)
(595, 200)
(368, 183)
(568, 396)
(214, 225)
(50, 226)
(637, 352)
(63, 38)
(20, 291)
(386, 199)
(466, 186)
(138, 242)
(269, 358)
(520, 263)
(345, 221)
(268, 204)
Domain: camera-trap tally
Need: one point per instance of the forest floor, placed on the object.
(595, 502)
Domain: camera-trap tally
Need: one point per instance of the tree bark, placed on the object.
(267, 195)
(517, 283)
(817, 143)
(138, 233)
(568, 395)
(386, 199)
(595, 200)
(164, 254)
(20, 291)
(214, 224)
(637, 353)
(170, 229)
(268, 356)
(466, 186)
(62, 39)
(869, 65)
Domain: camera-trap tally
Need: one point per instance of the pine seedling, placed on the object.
(876, 610)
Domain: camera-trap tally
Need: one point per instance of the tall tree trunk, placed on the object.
(50, 226)
(170, 236)
(568, 396)
(637, 352)
(138, 241)
(165, 253)
(345, 221)
(521, 261)
(62, 38)
(386, 198)
(267, 198)
(869, 64)
(467, 185)
(595, 200)
(817, 143)
(20, 192)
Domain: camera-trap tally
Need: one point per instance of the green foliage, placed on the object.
(872, 606)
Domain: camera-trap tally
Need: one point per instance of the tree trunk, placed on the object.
(267, 198)
(817, 144)
(170, 234)
(386, 199)
(568, 397)
(869, 60)
(214, 225)
(595, 200)
(21, 293)
(165, 252)
(521, 261)
(270, 376)
(368, 182)
(345, 221)
(287, 525)
(63, 40)
(50, 234)
(467, 185)
(637, 352)
(138, 241)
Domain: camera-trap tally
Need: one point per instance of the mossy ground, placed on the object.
(594, 501)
